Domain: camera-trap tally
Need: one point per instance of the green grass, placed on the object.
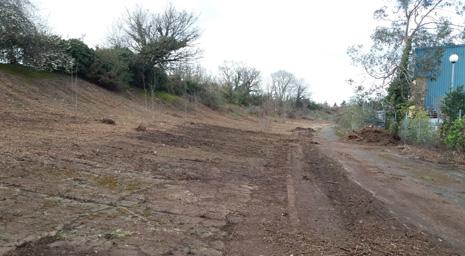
(167, 97)
(25, 72)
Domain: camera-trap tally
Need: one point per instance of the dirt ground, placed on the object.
(424, 192)
(194, 183)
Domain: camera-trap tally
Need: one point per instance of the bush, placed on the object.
(311, 105)
(355, 117)
(453, 103)
(83, 56)
(111, 68)
(211, 96)
(48, 53)
(197, 87)
(418, 130)
(454, 135)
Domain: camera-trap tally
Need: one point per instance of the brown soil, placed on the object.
(206, 184)
(424, 193)
(374, 136)
(440, 155)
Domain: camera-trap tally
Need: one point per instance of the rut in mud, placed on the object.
(196, 189)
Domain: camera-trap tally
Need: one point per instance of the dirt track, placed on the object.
(424, 192)
(194, 189)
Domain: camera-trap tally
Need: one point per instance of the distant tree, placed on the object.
(239, 82)
(407, 24)
(160, 41)
(282, 85)
(17, 30)
(312, 105)
(300, 94)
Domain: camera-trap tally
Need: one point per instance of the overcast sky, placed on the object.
(307, 38)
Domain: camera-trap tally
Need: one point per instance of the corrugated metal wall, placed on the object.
(437, 88)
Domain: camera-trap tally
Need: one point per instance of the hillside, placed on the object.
(39, 97)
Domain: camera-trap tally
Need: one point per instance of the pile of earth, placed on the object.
(374, 136)
(303, 131)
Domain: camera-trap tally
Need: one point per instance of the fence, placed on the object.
(420, 129)
(417, 127)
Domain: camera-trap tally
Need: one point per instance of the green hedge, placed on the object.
(454, 135)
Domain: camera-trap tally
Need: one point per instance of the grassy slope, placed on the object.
(25, 72)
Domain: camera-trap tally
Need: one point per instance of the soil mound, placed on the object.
(303, 131)
(374, 136)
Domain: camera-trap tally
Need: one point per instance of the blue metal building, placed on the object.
(437, 85)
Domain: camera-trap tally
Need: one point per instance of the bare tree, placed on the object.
(162, 39)
(239, 81)
(282, 85)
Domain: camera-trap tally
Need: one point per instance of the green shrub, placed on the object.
(453, 103)
(177, 85)
(111, 68)
(312, 105)
(83, 56)
(454, 135)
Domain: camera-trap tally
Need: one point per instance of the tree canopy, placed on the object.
(404, 26)
(161, 39)
(16, 29)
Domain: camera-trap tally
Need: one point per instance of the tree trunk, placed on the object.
(399, 89)
(403, 70)
(11, 56)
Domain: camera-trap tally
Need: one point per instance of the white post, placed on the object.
(453, 76)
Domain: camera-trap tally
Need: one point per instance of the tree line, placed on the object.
(152, 51)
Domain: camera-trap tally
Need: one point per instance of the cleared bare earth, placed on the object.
(193, 183)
